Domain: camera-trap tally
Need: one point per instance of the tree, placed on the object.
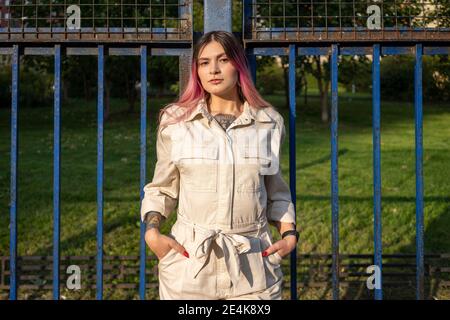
(355, 72)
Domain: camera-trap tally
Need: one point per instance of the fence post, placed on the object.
(56, 170)
(143, 163)
(419, 171)
(376, 94)
(185, 12)
(292, 158)
(100, 120)
(14, 166)
(334, 169)
(217, 15)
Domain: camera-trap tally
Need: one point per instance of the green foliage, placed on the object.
(355, 71)
(397, 78)
(36, 88)
(270, 78)
(35, 84)
(5, 86)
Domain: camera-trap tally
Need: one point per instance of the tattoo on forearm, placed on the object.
(153, 219)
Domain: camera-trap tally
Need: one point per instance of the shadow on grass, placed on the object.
(86, 235)
(436, 274)
(321, 160)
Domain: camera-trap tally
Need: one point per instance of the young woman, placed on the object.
(218, 159)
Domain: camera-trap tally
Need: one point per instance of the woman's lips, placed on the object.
(216, 81)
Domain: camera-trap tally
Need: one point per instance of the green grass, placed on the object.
(121, 182)
(355, 178)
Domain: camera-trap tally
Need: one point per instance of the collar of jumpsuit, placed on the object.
(247, 114)
(232, 244)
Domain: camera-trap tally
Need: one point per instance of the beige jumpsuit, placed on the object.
(227, 185)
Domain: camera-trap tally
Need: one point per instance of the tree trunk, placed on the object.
(85, 86)
(286, 81)
(324, 103)
(107, 106)
(323, 90)
(131, 99)
(65, 90)
(305, 85)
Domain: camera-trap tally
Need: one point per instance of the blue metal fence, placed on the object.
(56, 171)
(18, 40)
(334, 50)
(100, 51)
(334, 28)
(255, 45)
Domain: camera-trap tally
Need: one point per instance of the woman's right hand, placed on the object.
(161, 244)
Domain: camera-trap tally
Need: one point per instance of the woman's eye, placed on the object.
(221, 60)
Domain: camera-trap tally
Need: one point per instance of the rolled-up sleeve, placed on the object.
(279, 202)
(161, 194)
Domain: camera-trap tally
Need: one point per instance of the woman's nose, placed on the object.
(214, 68)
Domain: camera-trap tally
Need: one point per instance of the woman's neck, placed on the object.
(217, 105)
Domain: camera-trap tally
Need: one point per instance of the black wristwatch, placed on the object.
(290, 232)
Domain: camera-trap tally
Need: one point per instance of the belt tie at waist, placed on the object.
(231, 244)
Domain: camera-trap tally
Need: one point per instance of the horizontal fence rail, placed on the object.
(347, 20)
(107, 20)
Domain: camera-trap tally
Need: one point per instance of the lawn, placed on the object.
(121, 182)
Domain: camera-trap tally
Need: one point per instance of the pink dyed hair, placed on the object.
(194, 91)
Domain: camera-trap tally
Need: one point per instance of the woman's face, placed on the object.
(214, 64)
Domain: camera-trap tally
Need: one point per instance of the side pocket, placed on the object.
(167, 255)
(175, 234)
(272, 262)
(275, 257)
(251, 278)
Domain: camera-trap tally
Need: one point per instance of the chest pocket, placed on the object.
(250, 178)
(198, 168)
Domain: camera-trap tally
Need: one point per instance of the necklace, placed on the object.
(225, 120)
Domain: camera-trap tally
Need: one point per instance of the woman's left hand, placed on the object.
(283, 246)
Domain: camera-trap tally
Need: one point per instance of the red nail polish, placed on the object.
(186, 254)
(264, 254)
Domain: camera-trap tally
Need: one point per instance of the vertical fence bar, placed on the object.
(376, 95)
(248, 10)
(14, 165)
(334, 170)
(419, 172)
(217, 15)
(252, 65)
(100, 90)
(142, 280)
(292, 157)
(247, 22)
(185, 14)
(56, 170)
